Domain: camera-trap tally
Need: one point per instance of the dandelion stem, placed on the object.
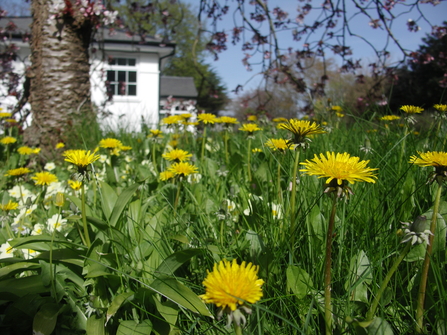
(237, 330)
(278, 181)
(327, 269)
(370, 314)
(293, 199)
(203, 142)
(426, 265)
(84, 216)
(249, 160)
(154, 161)
(227, 158)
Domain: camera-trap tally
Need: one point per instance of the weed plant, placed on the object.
(154, 236)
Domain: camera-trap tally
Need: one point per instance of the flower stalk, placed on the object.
(327, 268)
(372, 310)
(426, 264)
(293, 199)
(249, 160)
(84, 217)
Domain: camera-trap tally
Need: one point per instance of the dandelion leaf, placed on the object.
(298, 281)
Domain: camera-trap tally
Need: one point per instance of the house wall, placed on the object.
(128, 112)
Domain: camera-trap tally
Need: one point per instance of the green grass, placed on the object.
(148, 258)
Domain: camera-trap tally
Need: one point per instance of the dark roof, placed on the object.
(110, 36)
(178, 87)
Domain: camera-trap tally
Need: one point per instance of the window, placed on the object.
(121, 80)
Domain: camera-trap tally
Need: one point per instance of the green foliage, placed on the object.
(153, 241)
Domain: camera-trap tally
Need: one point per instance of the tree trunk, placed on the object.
(60, 81)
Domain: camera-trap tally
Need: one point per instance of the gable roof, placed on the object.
(117, 36)
(178, 87)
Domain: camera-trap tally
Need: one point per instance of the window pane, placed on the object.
(132, 61)
(132, 90)
(122, 61)
(112, 60)
(112, 90)
(111, 75)
(121, 75)
(122, 88)
(132, 77)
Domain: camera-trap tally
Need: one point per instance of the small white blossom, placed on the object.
(56, 222)
(50, 166)
(6, 251)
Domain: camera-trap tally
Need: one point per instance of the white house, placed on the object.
(125, 75)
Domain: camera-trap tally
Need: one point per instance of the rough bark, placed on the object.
(59, 76)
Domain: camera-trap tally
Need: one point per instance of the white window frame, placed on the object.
(127, 69)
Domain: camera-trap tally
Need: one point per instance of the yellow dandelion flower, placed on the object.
(186, 116)
(256, 150)
(11, 205)
(337, 109)
(227, 120)
(441, 108)
(207, 118)
(155, 133)
(278, 144)
(75, 184)
(4, 115)
(173, 143)
(430, 158)
(36, 151)
(437, 159)
(231, 284)
(125, 148)
(252, 118)
(339, 167)
(301, 130)
(389, 118)
(279, 119)
(183, 169)
(8, 140)
(409, 109)
(339, 114)
(11, 120)
(25, 150)
(17, 172)
(177, 155)
(44, 178)
(171, 120)
(80, 158)
(166, 175)
(60, 145)
(110, 143)
(250, 128)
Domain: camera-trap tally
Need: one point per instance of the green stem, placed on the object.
(372, 311)
(203, 142)
(249, 160)
(293, 200)
(177, 197)
(154, 161)
(426, 265)
(327, 269)
(237, 329)
(84, 216)
(227, 157)
(278, 182)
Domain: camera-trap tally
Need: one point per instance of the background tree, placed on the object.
(423, 80)
(176, 21)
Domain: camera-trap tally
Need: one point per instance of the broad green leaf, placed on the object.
(108, 199)
(256, 245)
(77, 202)
(317, 222)
(17, 267)
(26, 241)
(417, 253)
(96, 326)
(379, 326)
(168, 310)
(131, 327)
(439, 240)
(175, 291)
(101, 225)
(360, 273)
(298, 281)
(121, 202)
(177, 259)
(117, 303)
(23, 286)
(45, 319)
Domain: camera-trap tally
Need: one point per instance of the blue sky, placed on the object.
(230, 68)
(232, 71)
